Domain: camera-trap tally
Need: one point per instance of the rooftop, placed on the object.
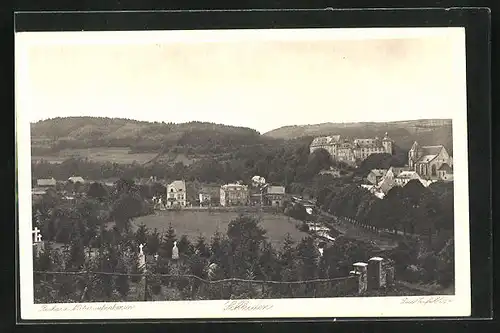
(379, 172)
(276, 190)
(178, 185)
(445, 167)
(408, 174)
(426, 158)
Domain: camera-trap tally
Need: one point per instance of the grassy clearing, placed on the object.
(194, 223)
(113, 154)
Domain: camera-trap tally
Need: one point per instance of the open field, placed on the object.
(194, 223)
(112, 154)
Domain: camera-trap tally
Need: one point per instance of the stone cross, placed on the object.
(140, 249)
(175, 251)
(156, 256)
(37, 237)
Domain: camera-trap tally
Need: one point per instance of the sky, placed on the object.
(261, 83)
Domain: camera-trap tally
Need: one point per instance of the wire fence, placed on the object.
(196, 287)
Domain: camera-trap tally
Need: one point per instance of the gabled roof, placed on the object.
(397, 170)
(379, 172)
(76, 179)
(431, 150)
(445, 167)
(178, 185)
(408, 175)
(426, 158)
(275, 190)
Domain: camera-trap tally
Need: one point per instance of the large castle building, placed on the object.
(352, 151)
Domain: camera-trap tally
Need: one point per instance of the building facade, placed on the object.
(352, 151)
(176, 194)
(205, 199)
(234, 195)
(376, 175)
(275, 196)
(427, 160)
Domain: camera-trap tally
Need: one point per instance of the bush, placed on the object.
(303, 227)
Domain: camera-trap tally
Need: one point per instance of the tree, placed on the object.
(153, 241)
(185, 247)
(142, 235)
(308, 255)
(201, 247)
(97, 191)
(168, 242)
(126, 208)
(122, 281)
(245, 237)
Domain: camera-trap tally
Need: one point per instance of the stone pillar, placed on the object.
(360, 270)
(376, 276)
(142, 285)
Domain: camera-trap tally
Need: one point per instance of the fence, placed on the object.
(192, 287)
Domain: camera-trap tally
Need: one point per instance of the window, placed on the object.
(433, 168)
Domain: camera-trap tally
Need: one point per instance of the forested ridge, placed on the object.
(52, 135)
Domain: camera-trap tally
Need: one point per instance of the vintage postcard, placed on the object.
(219, 174)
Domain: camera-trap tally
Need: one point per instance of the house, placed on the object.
(426, 160)
(176, 194)
(388, 180)
(50, 182)
(275, 196)
(376, 175)
(404, 177)
(76, 179)
(205, 199)
(445, 172)
(234, 195)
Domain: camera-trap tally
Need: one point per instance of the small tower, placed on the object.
(413, 155)
(387, 143)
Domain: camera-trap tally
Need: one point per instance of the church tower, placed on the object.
(387, 143)
(413, 155)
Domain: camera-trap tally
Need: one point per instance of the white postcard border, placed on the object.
(415, 306)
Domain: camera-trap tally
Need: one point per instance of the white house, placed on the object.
(176, 194)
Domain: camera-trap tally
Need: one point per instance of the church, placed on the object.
(431, 162)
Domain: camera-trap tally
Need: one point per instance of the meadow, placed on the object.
(196, 223)
(111, 154)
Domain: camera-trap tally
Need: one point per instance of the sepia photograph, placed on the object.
(243, 173)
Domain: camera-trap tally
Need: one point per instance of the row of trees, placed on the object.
(284, 164)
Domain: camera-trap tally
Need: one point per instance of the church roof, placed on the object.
(431, 150)
(426, 158)
(445, 167)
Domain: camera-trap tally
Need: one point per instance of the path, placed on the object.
(352, 231)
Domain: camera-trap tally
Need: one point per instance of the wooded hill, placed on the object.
(85, 132)
(53, 135)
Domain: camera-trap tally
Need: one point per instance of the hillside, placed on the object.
(404, 133)
(56, 134)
